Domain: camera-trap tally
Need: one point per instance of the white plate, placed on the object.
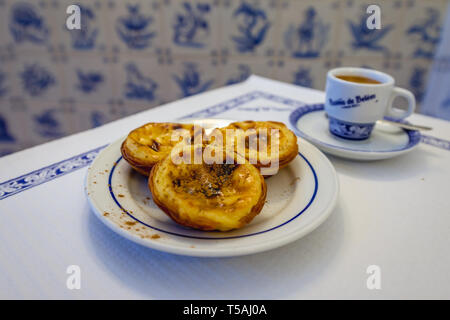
(386, 141)
(299, 198)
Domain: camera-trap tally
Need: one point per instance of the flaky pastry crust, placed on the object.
(208, 196)
(287, 142)
(152, 142)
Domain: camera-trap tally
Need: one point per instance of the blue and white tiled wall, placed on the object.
(132, 55)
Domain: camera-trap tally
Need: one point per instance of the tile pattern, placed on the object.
(134, 55)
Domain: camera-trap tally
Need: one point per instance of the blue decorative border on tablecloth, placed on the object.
(48, 173)
(435, 142)
(40, 176)
(238, 101)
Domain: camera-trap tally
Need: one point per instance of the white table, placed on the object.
(393, 213)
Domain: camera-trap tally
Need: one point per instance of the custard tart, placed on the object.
(205, 194)
(152, 142)
(265, 144)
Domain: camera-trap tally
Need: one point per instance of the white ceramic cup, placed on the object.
(353, 108)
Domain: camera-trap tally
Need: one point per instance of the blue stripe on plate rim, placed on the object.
(316, 187)
(414, 136)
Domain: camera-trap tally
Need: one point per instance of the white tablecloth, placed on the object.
(393, 213)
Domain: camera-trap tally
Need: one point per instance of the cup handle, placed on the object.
(398, 113)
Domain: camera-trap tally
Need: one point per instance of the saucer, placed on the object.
(386, 141)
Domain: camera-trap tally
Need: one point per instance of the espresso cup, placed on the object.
(353, 106)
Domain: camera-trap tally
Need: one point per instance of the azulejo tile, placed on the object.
(88, 116)
(237, 69)
(46, 121)
(191, 76)
(413, 75)
(248, 27)
(191, 27)
(11, 132)
(309, 73)
(140, 82)
(6, 149)
(134, 26)
(377, 63)
(5, 83)
(133, 55)
(421, 29)
(4, 19)
(90, 37)
(356, 39)
(36, 77)
(307, 29)
(26, 26)
(88, 78)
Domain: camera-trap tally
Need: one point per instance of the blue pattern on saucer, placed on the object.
(414, 137)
